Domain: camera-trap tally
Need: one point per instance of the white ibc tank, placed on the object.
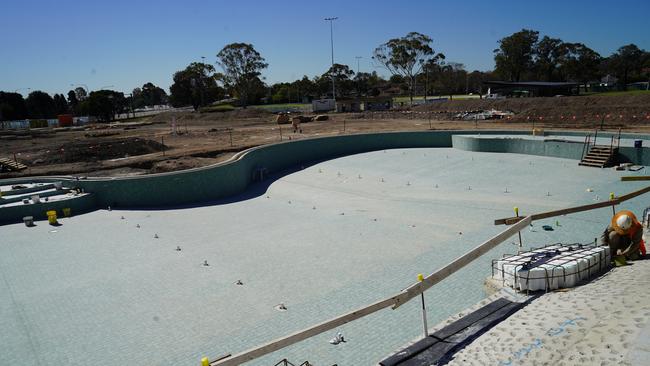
(552, 267)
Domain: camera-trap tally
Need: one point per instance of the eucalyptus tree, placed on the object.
(406, 57)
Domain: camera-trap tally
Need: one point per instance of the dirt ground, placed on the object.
(151, 146)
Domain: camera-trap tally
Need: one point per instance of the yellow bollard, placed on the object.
(424, 309)
(205, 361)
(51, 217)
(611, 196)
(66, 212)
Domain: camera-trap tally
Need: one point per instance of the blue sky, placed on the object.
(48, 45)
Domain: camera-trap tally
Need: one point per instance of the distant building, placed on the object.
(322, 105)
(364, 104)
(348, 105)
(531, 88)
(378, 103)
(608, 80)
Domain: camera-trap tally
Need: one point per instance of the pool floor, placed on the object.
(110, 288)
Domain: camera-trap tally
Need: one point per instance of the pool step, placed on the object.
(599, 157)
(11, 165)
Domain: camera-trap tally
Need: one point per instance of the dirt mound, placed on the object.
(549, 109)
(248, 113)
(80, 151)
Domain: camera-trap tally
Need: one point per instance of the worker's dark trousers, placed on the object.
(619, 242)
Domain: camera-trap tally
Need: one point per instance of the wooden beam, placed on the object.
(631, 195)
(565, 211)
(560, 212)
(460, 262)
(635, 177)
(280, 343)
(394, 301)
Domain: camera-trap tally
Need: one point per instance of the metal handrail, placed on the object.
(596, 137)
(585, 146)
(616, 138)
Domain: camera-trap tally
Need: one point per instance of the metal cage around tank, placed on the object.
(554, 261)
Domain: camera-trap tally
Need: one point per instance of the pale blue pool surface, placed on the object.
(98, 290)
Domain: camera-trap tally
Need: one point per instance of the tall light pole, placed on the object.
(201, 77)
(130, 104)
(331, 20)
(426, 83)
(358, 89)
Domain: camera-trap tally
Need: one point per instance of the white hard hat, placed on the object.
(624, 222)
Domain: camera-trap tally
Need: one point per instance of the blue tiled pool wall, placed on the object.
(233, 177)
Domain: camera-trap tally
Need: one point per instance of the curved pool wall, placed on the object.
(556, 149)
(552, 147)
(222, 180)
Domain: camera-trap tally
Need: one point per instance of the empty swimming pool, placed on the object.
(111, 288)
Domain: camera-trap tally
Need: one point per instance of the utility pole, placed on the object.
(331, 20)
(131, 105)
(201, 81)
(426, 82)
(358, 88)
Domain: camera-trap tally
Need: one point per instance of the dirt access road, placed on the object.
(150, 146)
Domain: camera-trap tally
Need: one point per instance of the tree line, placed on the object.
(415, 68)
(524, 56)
(102, 104)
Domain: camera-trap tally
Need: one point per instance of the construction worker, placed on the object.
(624, 235)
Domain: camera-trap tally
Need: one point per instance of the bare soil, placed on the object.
(151, 146)
(561, 111)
